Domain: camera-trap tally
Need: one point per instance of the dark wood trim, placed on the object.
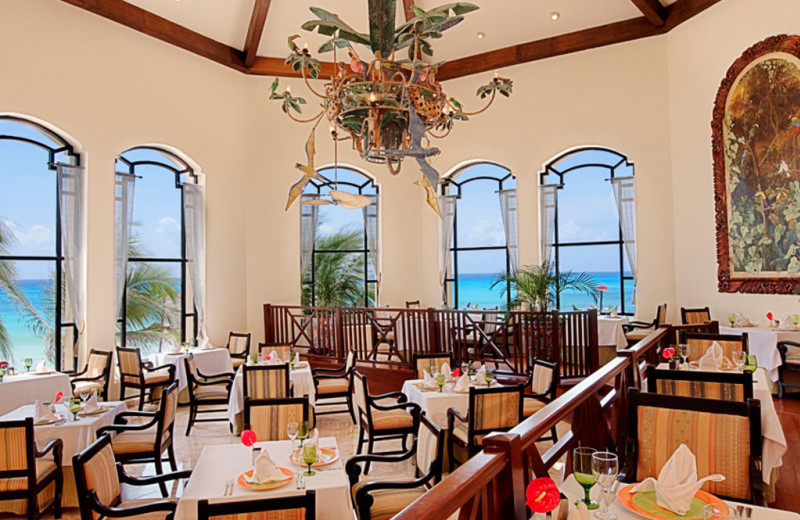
(652, 10)
(276, 67)
(407, 9)
(255, 31)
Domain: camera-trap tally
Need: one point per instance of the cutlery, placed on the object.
(748, 511)
(739, 510)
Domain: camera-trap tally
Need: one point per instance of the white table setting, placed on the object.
(609, 331)
(209, 361)
(763, 341)
(223, 474)
(26, 387)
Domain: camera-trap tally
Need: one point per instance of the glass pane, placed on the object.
(477, 271)
(479, 222)
(339, 279)
(599, 262)
(602, 157)
(153, 312)
(586, 208)
(157, 209)
(340, 228)
(628, 305)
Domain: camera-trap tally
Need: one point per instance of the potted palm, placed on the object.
(535, 287)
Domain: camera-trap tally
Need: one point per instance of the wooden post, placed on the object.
(268, 323)
(339, 336)
(510, 483)
(433, 327)
(594, 353)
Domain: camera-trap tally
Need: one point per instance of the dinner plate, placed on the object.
(329, 456)
(301, 364)
(101, 409)
(37, 373)
(644, 504)
(52, 421)
(424, 388)
(242, 480)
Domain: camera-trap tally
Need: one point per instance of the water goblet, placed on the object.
(605, 468)
(85, 393)
(582, 469)
(795, 319)
(74, 408)
(440, 381)
(732, 318)
(737, 359)
(302, 432)
(488, 376)
(292, 359)
(683, 352)
(465, 368)
(309, 457)
(28, 364)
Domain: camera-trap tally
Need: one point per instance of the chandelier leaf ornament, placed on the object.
(389, 108)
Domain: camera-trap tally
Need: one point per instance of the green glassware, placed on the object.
(582, 469)
(488, 377)
(440, 381)
(28, 364)
(302, 432)
(74, 408)
(309, 457)
(732, 318)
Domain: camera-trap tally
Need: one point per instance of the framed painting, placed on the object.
(756, 150)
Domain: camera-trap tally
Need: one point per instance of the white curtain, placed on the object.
(194, 217)
(123, 220)
(624, 195)
(309, 216)
(447, 204)
(548, 197)
(508, 208)
(71, 193)
(371, 226)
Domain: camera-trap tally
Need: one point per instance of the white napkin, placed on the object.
(446, 370)
(462, 384)
(581, 512)
(613, 314)
(712, 359)
(265, 470)
(480, 374)
(786, 323)
(41, 413)
(274, 358)
(428, 380)
(91, 404)
(677, 482)
(315, 440)
(42, 366)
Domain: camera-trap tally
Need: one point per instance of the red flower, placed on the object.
(3, 364)
(542, 495)
(457, 372)
(267, 358)
(248, 438)
(58, 397)
(602, 287)
(668, 352)
(769, 316)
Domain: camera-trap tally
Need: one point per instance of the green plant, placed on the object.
(8, 274)
(535, 287)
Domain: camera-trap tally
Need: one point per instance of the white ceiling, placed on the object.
(504, 22)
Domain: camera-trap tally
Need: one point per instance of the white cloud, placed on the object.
(571, 231)
(488, 233)
(167, 225)
(37, 240)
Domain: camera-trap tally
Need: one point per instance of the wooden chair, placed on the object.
(98, 479)
(725, 437)
(638, 330)
(238, 347)
(295, 507)
(212, 390)
(426, 362)
(282, 350)
(729, 386)
(695, 316)
(413, 305)
(142, 376)
(335, 383)
(790, 362)
(380, 422)
(543, 383)
(495, 409)
(385, 498)
(95, 376)
(32, 482)
(268, 417)
(266, 381)
(699, 343)
(147, 441)
(384, 325)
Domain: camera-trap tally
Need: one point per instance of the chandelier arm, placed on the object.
(392, 170)
(304, 120)
(432, 134)
(491, 100)
(305, 79)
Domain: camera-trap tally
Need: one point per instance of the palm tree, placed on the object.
(536, 287)
(8, 273)
(339, 277)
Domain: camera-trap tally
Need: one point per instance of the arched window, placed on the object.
(339, 246)
(480, 221)
(35, 316)
(157, 305)
(588, 224)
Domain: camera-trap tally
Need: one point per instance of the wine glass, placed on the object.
(795, 319)
(302, 432)
(464, 368)
(28, 364)
(582, 469)
(310, 457)
(732, 318)
(292, 429)
(84, 392)
(488, 376)
(683, 352)
(74, 407)
(292, 359)
(605, 468)
(440, 381)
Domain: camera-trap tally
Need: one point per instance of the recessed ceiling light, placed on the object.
(555, 15)
(480, 35)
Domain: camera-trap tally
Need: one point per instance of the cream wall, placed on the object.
(699, 55)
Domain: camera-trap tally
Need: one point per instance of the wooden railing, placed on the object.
(395, 336)
(492, 484)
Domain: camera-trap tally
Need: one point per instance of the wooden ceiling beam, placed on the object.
(652, 10)
(276, 67)
(153, 25)
(255, 31)
(407, 9)
(595, 37)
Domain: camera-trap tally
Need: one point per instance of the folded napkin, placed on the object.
(428, 380)
(677, 482)
(742, 321)
(480, 374)
(203, 342)
(91, 404)
(613, 314)
(42, 413)
(581, 512)
(446, 369)
(274, 358)
(462, 384)
(171, 347)
(265, 470)
(712, 359)
(42, 366)
(786, 323)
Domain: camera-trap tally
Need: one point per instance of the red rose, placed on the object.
(769, 316)
(3, 364)
(58, 397)
(542, 495)
(267, 358)
(668, 352)
(248, 438)
(457, 372)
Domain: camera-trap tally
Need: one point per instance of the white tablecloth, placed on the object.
(609, 331)
(763, 343)
(19, 390)
(220, 463)
(76, 435)
(435, 403)
(209, 362)
(301, 378)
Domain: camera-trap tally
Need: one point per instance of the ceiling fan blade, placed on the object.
(316, 202)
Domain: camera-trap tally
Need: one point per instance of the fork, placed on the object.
(228, 488)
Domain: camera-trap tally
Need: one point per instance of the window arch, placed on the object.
(339, 246)
(479, 248)
(35, 318)
(157, 304)
(582, 231)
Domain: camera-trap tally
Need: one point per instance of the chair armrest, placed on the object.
(331, 376)
(628, 327)
(116, 428)
(757, 486)
(412, 408)
(353, 469)
(229, 375)
(226, 382)
(75, 373)
(400, 396)
(147, 364)
(545, 396)
(316, 371)
(170, 368)
(120, 418)
(120, 512)
(453, 413)
(56, 446)
(96, 378)
(127, 478)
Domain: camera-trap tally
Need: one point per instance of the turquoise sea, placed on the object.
(24, 342)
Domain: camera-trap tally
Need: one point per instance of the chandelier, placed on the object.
(389, 108)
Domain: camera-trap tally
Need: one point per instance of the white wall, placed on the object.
(700, 53)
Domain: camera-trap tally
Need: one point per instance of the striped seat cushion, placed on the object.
(156, 376)
(134, 441)
(530, 406)
(638, 334)
(388, 502)
(43, 468)
(706, 389)
(155, 515)
(202, 392)
(100, 476)
(283, 514)
(333, 386)
(86, 386)
(391, 419)
(461, 433)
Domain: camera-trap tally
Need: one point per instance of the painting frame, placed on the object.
(730, 174)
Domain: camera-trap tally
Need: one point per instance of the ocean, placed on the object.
(24, 342)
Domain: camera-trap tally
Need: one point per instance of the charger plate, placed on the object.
(242, 480)
(329, 456)
(644, 504)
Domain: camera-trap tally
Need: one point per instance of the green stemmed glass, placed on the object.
(440, 381)
(302, 432)
(74, 408)
(309, 457)
(795, 319)
(732, 318)
(28, 364)
(488, 376)
(292, 359)
(582, 469)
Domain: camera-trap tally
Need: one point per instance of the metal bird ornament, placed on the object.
(309, 172)
(430, 194)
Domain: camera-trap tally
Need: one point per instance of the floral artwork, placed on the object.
(756, 146)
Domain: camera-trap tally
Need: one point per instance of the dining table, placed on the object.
(763, 343)
(434, 403)
(209, 361)
(610, 332)
(76, 436)
(221, 465)
(302, 381)
(27, 387)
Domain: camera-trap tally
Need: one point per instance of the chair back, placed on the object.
(413, 305)
(430, 449)
(350, 361)
(729, 386)
(428, 362)
(724, 437)
(544, 377)
(661, 315)
(239, 344)
(360, 393)
(17, 459)
(96, 471)
(283, 351)
(300, 507)
(99, 364)
(494, 409)
(490, 323)
(268, 417)
(699, 343)
(695, 316)
(266, 381)
(130, 364)
(167, 409)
